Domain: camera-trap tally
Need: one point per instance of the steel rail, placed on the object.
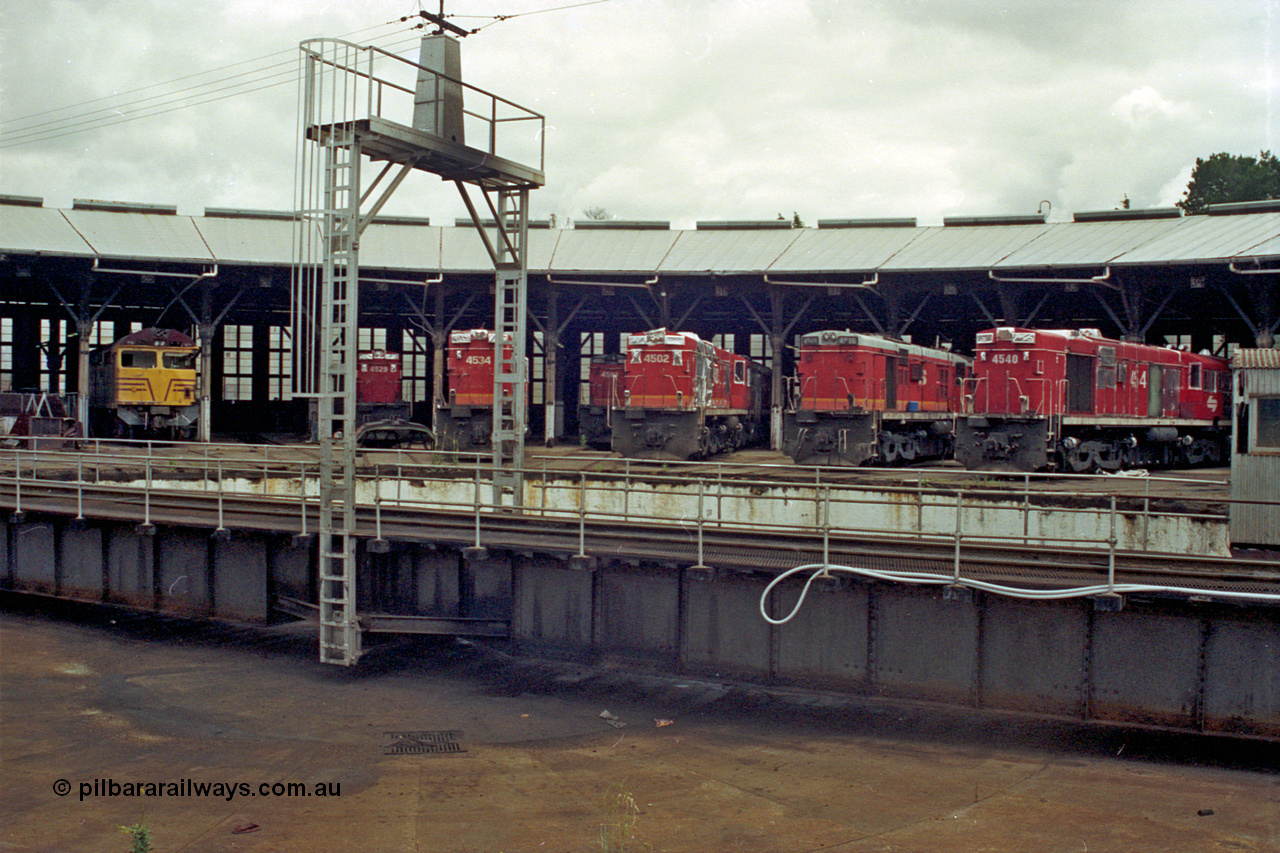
(638, 541)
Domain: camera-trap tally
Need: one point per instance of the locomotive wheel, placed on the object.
(1080, 460)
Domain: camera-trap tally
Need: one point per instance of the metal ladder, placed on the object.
(336, 403)
(510, 368)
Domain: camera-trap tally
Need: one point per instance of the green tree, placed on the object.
(1226, 178)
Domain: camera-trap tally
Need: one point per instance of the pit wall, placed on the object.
(806, 508)
(1173, 664)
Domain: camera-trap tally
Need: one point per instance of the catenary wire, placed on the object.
(289, 52)
(169, 102)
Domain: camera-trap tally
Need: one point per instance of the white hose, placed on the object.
(821, 570)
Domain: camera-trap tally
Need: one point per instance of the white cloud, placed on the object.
(1144, 107)
(684, 109)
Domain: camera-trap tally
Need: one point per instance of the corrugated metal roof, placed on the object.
(247, 241)
(843, 250)
(1266, 249)
(959, 247)
(1208, 238)
(727, 251)
(402, 247)
(1086, 244)
(1264, 359)
(39, 231)
(141, 235)
(612, 251)
(147, 236)
(462, 250)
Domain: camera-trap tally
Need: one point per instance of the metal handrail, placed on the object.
(491, 120)
(608, 497)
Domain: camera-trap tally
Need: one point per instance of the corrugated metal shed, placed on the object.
(39, 231)
(141, 235)
(844, 249)
(962, 248)
(602, 250)
(144, 235)
(1208, 238)
(727, 251)
(1256, 359)
(1086, 244)
(1255, 476)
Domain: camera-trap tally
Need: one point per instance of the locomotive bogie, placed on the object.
(908, 441)
(680, 434)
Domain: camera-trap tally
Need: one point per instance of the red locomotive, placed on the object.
(385, 418)
(1076, 401)
(859, 398)
(684, 398)
(601, 395)
(465, 421)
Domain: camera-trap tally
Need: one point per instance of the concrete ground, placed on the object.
(88, 694)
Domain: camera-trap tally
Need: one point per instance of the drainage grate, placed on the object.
(422, 743)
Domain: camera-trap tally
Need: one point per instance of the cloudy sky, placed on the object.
(669, 109)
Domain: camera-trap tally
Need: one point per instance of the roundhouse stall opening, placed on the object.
(683, 398)
(465, 420)
(1070, 399)
(860, 398)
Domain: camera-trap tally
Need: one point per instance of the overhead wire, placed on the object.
(154, 105)
(497, 19)
(19, 131)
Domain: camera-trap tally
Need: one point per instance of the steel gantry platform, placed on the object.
(348, 93)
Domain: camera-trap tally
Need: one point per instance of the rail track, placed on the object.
(726, 546)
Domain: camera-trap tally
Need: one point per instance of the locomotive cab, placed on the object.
(145, 384)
